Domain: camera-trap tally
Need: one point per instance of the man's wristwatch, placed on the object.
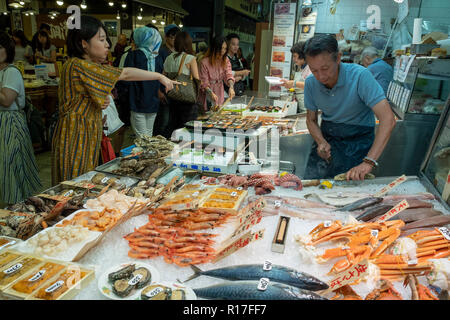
(371, 161)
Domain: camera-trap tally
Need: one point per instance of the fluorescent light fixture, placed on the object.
(399, 1)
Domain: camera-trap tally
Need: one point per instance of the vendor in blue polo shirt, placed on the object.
(381, 71)
(348, 96)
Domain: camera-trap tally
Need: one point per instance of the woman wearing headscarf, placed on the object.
(143, 96)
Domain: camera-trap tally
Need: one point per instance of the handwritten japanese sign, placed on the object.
(390, 186)
(356, 272)
(394, 211)
(243, 241)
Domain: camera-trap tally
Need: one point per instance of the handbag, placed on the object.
(107, 150)
(183, 93)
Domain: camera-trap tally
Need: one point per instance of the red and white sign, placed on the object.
(394, 211)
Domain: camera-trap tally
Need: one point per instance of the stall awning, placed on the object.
(165, 4)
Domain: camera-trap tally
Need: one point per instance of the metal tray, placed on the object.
(127, 181)
(115, 164)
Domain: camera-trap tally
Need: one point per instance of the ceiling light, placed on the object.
(180, 25)
(54, 14)
(83, 5)
(111, 3)
(124, 5)
(153, 21)
(5, 13)
(118, 16)
(22, 3)
(31, 13)
(59, 2)
(52, 17)
(163, 23)
(139, 17)
(26, 13)
(140, 9)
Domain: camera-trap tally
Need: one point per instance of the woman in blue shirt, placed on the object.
(143, 96)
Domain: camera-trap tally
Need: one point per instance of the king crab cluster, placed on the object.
(263, 183)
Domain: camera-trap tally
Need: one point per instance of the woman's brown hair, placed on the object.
(183, 43)
(48, 43)
(215, 51)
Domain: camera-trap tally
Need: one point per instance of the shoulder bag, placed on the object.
(187, 91)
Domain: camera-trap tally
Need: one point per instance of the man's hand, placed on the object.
(359, 172)
(324, 150)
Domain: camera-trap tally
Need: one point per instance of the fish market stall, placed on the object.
(188, 239)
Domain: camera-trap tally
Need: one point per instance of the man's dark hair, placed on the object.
(232, 36)
(10, 47)
(89, 28)
(44, 26)
(322, 43)
(299, 48)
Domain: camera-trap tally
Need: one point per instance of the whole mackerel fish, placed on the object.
(277, 273)
(361, 204)
(248, 290)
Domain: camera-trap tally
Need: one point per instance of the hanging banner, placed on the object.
(283, 39)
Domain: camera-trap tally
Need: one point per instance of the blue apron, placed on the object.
(349, 145)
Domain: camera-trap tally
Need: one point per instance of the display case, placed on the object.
(436, 166)
(420, 87)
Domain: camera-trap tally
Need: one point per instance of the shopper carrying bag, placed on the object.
(182, 65)
(187, 91)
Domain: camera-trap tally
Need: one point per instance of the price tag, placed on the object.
(392, 185)
(37, 276)
(154, 292)
(445, 232)
(267, 266)
(13, 269)
(55, 286)
(374, 233)
(394, 211)
(412, 262)
(135, 280)
(327, 224)
(68, 193)
(105, 180)
(277, 204)
(234, 194)
(263, 284)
